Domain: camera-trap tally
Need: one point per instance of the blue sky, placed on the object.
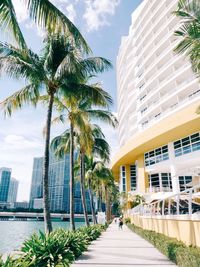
(103, 23)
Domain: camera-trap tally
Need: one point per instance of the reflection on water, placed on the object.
(13, 233)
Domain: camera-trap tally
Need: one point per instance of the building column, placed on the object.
(142, 176)
(128, 178)
(173, 170)
(160, 182)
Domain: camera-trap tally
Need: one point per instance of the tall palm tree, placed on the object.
(57, 70)
(189, 32)
(79, 112)
(92, 167)
(45, 15)
(61, 145)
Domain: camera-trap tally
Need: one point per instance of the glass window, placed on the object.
(177, 144)
(156, 156)
(133, 176)
(187, 145)
(185, 141)
(196, 146)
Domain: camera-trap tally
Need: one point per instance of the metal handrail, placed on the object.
(174, 202)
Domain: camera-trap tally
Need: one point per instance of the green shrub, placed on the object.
(91, 233)
(10, 262)
(175, 250)
(59, 248)
(46, 250)
(127, 220)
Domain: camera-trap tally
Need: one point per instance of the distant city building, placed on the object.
(13, 189)
(21, 205)
(5, 177)
(58, 185)
(36, 184)
(38, 203)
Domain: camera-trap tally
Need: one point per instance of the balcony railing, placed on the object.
(183, 204)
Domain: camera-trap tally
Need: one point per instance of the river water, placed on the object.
(13, 233)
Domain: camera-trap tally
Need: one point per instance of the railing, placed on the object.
(181, 204)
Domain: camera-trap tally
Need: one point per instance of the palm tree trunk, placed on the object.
(100, 200)
(92, 204)
(46, 203)
(71, 183)
(83, 190)
(107, 203)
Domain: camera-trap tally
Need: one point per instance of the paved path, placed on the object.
(121, 248)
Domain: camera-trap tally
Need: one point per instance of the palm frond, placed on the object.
(95, 65)
(29, 94)
(47, 16)
(8, 21)
(104, 116)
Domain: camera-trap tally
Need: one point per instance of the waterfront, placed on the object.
(13, 233)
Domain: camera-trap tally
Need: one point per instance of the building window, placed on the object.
(156, 156)
(166, 181)
(133, 176)
(154, 182)
(141, 98)
(187, 145)
(123, 178)
(183, 181)
(143, 110)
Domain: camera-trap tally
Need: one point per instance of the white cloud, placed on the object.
(20, 142)
(71, 12)
(97, 12)
(20, 10)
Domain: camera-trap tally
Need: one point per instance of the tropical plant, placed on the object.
(57, 249)
(45, 15)
(189, 32)
(100, 180)
(61, 68)
(87, 138)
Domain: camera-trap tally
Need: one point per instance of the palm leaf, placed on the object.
(47, 16)
(28, 94)
(8, 20)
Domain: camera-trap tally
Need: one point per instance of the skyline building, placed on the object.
(13, 189)
(5, 177)
(58, 185)
(158, 95)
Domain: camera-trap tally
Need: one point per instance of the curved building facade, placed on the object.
(158, 94)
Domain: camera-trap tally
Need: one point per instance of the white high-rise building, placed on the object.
(158, 94)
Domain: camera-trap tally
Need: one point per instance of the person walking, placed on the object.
(120, 223)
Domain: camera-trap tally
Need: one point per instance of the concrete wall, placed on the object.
(187, 231)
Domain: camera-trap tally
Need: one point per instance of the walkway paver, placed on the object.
(121, 248)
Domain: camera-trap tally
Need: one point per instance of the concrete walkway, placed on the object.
(121, 248)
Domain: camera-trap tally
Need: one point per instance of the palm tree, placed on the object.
(189, 32)
(59, 69)
(45, 15)
(107, 185)
(61, 145)
(78, 113)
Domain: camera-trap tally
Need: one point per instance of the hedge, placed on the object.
(175, 250)
(59, 248)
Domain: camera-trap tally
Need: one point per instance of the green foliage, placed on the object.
(47, 250)
(59, 248)
(127, 220)
(91, 233)
(9, 262)
(175, 250)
